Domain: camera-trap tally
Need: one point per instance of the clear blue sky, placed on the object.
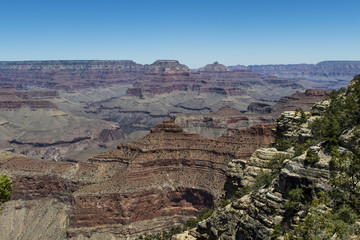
(193, 32)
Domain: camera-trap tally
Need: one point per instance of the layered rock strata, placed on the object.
(148, 185)
(226, 119)
(167, 173)
(326, 74)
(135, 96)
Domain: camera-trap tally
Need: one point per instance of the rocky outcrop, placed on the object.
(254, 215)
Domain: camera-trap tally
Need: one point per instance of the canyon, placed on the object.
(96, 103)
(154, 183)
(115, 149)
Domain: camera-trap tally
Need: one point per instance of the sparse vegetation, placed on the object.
(311, 157)
(303, 118)
(276, 163)
(262, 179)
(223, 202)
(295, 199)
(323, 222)
(277, 231)
(333, 215)
(283, 143)
(300, 148)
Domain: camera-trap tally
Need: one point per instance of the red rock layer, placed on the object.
(163, 76)
(11, 98)
(167, 174)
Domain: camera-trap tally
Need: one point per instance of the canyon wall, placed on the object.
(325, 75)
(148, 185)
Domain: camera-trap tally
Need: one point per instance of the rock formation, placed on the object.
(226, 119)
(148, 185)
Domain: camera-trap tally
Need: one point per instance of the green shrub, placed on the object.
(191, 223)
(5, 188)
(205, 214)
(303, 118)
(345, 214)
(301, 147)
(276, 163)
(347, 179)
(243, 191)
(311, 157)
(295, 199)
(321, 225)
(282, 144)
(223, 202)
(277, 231)
(261, 179)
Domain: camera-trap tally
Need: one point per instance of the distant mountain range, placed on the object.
(325, 75)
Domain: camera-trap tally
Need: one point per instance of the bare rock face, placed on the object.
(13, 99)
(148, 185)
(167, 173)
(259, 108)
(44, 218)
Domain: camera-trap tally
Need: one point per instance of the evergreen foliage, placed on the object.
(333, 215)
(311, 157)
(5, 189)
(295, 199)
(262, 179)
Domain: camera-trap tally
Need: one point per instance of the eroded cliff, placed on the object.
(157, 182)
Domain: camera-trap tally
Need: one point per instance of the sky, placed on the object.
(194, 32)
